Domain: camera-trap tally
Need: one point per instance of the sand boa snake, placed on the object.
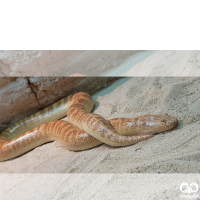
(83, 131)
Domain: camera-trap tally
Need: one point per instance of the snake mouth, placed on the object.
(172, 123)
(175, 125)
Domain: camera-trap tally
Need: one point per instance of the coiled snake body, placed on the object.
(83, 131)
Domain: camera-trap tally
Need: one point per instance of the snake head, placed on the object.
(148, 124)
(163, 122)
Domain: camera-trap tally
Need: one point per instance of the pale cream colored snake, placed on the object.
(83, 131)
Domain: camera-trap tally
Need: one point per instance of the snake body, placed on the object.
(83, 130)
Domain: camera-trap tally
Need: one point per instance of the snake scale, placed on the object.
(83, 130)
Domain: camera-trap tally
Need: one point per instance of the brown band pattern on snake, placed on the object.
(83, 131)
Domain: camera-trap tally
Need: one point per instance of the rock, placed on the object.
(21, 97)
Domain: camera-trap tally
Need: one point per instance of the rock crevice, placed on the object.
(22, 96)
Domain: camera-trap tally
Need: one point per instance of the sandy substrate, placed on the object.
(174, 151)
(95, 186)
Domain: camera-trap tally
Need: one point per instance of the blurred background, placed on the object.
(67, 62)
